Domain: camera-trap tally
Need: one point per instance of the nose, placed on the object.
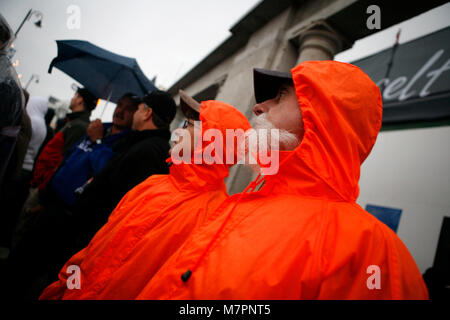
(258, 109)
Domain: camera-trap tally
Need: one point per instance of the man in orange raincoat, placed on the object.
(301, 235)
(153, 219)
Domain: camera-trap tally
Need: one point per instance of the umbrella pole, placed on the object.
(106, 104)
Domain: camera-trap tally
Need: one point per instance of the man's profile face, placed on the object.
(75, 101)
(283, 111)
(139, 116)
(123, 114)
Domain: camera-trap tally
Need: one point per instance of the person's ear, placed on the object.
(148, 113)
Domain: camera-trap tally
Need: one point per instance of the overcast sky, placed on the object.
(167, 37)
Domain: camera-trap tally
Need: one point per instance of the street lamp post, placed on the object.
(30, 13)
(33, 76)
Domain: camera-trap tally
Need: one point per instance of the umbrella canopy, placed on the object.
(107, 75)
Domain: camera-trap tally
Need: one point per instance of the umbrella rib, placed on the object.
(112, 79)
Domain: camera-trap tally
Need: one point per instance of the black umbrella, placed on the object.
(107, 75)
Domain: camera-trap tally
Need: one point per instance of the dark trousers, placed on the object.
(41, 253)
(14, 196)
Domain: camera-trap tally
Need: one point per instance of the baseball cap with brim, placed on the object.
(162, 104)
(267, 82)
(189, 106)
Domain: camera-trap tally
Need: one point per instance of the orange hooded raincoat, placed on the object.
(151, 221)
(302, 236)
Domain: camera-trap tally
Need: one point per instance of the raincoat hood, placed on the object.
(7, 35)
(37, 107)
(219, 116)
(341, 112)
(12, 98)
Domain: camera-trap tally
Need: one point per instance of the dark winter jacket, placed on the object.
(75, 129)
(12, 104)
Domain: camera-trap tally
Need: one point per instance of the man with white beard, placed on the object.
(277, 107)
(278, 124)
(301, 235)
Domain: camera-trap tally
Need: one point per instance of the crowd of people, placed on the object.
(102, 211)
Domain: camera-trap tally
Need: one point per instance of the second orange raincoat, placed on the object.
(302, 235)
(150, 222)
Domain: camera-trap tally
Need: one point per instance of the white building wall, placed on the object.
(410, 170)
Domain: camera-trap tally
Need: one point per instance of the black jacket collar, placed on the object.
(139, 135)
(80, 114)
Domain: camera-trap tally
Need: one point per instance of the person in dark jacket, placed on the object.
(82, 103)
(142, 154)
(12, 119)
(12, 101)
(12, 179)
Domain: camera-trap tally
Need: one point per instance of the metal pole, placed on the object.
(110, 93)
(391, 60)
(33, 76)
(23, 21)
(29, 81)
(106, 104)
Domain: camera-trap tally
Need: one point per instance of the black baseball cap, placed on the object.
(89, 99)
(267, 82)
(162, 105)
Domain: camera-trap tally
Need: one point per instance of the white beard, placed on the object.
(285, 140)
